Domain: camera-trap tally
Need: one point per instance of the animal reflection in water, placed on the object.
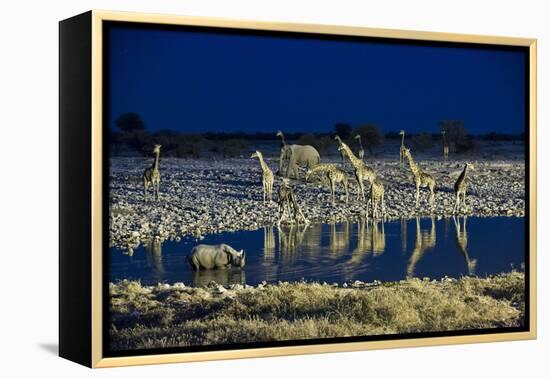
(153, 249)
(462, 243)
(371, 240)
(224, 277)
(425, 240)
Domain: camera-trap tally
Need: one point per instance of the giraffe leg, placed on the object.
(332, 189)
(145, 184)
(417, 194)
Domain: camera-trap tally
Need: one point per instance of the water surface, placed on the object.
(364, 251)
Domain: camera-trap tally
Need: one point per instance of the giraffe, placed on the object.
(361, 152)
(462, 244)
(152, 175)
(288, 202)
(333, 174)
(460, 187)
(284, 151)
(267, 176)
(362, 171)
(445, 146)
(402, 148)
(342, 153)
(376, 196)
(424, 242)
(421, 178)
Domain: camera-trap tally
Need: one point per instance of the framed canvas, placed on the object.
(235, 189)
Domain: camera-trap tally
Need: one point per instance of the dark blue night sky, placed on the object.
(198, 82)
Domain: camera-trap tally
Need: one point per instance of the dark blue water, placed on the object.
(363, 251)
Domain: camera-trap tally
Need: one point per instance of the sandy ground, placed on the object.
(199, 197)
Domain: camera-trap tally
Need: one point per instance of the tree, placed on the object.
(422, 142)
(343, 130)
(457, 136)
(321, 143)
(370, 135)
(130, 122)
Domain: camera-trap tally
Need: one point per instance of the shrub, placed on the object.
(370, 135)
(422, 142)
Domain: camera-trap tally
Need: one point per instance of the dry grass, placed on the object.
(180, 316)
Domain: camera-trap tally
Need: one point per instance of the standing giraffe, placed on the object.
(333, 174)
(445, 146)
(376, 196)
(152, 175)
(288, 202)
(402, 148)
(284, 151)
(362, 171)
(342, 153)
(421, 178)
(361, 152)
(267, 176)
(460, 187)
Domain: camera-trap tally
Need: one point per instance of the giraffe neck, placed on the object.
(283, 139)
(360, 144)
(463, 174)
(402, 140)
(264, 166)
(356, 162)
(414, 168)
(156, 162)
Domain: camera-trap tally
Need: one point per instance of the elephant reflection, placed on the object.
(424, 242)
(462, 243)
(224, 277)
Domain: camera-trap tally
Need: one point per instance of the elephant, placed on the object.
(299, 155)
(220, 256)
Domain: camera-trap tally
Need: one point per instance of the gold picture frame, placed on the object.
(94, 21)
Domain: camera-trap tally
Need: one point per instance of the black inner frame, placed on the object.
(329, 37)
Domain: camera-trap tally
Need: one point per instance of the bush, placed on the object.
(371, 136)
(422, 142)
(321, 143)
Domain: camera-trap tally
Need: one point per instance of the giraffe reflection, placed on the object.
(338, 238)
(425, 240)
(153, 249)
(269, 242)
(290, 239)
(462, 243)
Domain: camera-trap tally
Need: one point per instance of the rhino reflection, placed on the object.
(153, 249)
(424, 242)
(462, 243)
(224, 277)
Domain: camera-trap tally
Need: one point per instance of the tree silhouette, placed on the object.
(130, 122)
(343, 130)
(370, 135)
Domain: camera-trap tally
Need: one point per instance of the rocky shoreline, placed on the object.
(200, 197)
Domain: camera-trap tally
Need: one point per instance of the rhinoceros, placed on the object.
(220, 256)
